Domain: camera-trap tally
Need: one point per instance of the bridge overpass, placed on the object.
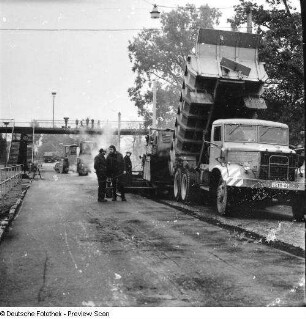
(73, 127)
(21, 134)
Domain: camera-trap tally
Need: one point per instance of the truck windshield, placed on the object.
(273, 135)
(240, 133)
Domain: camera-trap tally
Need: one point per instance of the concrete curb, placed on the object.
(5, 223)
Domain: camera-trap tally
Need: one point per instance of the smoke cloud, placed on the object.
(104, 140)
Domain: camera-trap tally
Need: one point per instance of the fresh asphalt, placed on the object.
(66, 249)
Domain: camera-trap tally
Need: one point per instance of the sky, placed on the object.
(89, 70)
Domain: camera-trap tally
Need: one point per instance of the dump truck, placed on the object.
(219, 145)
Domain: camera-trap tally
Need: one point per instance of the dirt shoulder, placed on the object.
(10, 203)
(10, 199)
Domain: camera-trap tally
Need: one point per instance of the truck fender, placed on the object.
(232, 174)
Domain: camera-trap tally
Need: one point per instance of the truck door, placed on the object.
(215, 148)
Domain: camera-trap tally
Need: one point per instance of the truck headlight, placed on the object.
(246, 167)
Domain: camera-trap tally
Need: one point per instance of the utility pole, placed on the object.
(119, 128)
(303, 14)
(53, 95)
(33, 144)
(6, 123)
(154, 105)
(249, 19)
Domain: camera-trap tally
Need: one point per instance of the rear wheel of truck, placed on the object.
(188, 189)
(222, 198)
(177, 184)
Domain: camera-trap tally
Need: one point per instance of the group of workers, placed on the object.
(114, 168)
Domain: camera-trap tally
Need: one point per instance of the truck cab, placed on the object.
(242, 141)
(251, 157)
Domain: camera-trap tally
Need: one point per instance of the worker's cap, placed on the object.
(128, 152)
(101, 150)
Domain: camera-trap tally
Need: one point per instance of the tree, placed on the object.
(280, 27)
(166, 101)
(53, 143)
(160, 54)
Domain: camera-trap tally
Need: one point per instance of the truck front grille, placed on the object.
(275, 166)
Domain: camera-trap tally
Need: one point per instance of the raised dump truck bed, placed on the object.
(223, 79)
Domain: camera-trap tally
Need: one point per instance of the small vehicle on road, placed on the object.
(62, 167)
(85, 157)
(49, 157)
(69, 159)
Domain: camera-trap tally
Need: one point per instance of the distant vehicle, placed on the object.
(72, 152)
(49, 157)
(69, 159)
(62, 167)
(85, 158)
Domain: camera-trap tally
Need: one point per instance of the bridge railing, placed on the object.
(73, 124)
(9, 177)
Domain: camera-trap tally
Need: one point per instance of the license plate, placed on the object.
(280, 185)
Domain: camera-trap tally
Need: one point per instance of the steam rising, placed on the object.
(99, 141)
(135, 144)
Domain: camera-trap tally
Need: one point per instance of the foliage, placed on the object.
(280, 27)
(54, 143)
(166, 100)
(160, 54)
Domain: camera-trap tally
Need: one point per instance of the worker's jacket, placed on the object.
(128, 164)
(115, 165)
(100, 165)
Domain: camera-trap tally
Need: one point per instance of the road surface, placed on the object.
(66, 249)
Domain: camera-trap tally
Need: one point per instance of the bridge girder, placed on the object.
(89, 131)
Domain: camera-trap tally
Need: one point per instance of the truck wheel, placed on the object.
(298, 208)
(188, 190)
(177, 185)
(222, 198)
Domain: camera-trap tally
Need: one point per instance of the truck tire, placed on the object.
(188, 189)
(222, 198)
(177, 185)
(298, 208)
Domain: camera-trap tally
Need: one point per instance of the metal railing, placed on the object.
(9, 177)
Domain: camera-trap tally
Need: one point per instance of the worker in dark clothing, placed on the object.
(100, 167)
(65, 165)
(128, 167)
(115, 168)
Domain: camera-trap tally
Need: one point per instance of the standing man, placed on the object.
(100, 167)
(128, 167)
(115, 170)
